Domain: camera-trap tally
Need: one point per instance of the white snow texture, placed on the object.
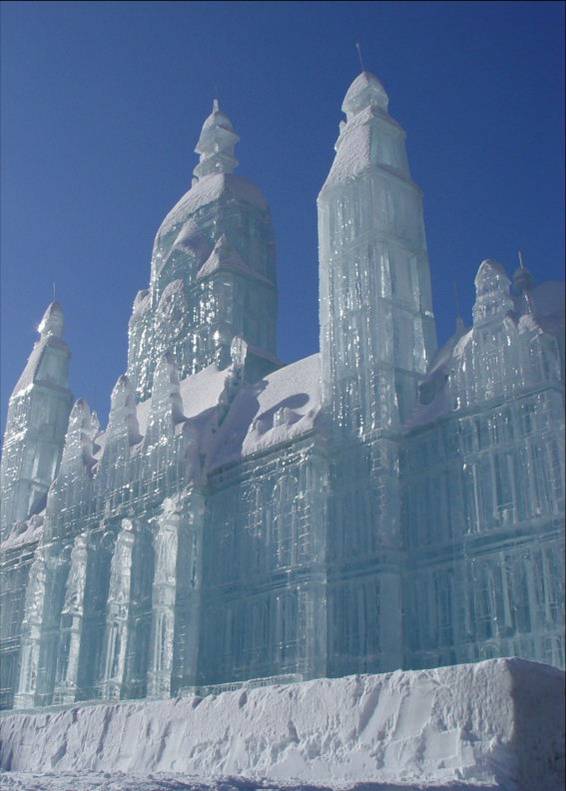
(498, 724)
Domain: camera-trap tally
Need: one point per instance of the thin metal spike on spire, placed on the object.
(53, 290)
(521, 262)
(358, 47)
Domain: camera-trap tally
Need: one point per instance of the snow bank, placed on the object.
(495, 722)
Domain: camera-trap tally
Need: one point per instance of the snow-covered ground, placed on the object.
(118, 781)
(493, 724)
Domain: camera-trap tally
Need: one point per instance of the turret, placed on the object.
(78, 450)
(377, 327)
(166, 405)
(216, 145)
(122, 420)
(212, 273)
(493, 300)
(38, 412)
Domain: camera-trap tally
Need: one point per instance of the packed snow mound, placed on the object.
(498, 722)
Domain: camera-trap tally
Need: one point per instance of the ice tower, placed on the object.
(380, 505)
(377, 336)
(38, 412)
(377, 329)
(212, 272)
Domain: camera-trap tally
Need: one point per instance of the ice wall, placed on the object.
(499, 721)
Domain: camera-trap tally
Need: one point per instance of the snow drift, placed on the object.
(495, 722)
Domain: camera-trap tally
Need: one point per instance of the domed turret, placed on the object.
(216, 145)
(365, 91)
(493, 300)
(212, 271)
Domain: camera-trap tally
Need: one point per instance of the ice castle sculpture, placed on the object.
(382, 504)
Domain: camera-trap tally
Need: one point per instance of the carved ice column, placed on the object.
(117, 614)
(316, 605)
(25, 696)
(72, 614)
(188, 591)
(163, 596)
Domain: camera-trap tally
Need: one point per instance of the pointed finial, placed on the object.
(523, 282)
(52, 321)
(358, 47)
(216, 144)
(53, 290)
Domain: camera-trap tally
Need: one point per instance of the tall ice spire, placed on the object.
(377, 326)
(38, 412)
(216, 144)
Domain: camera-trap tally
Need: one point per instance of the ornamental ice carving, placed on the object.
(382, 504)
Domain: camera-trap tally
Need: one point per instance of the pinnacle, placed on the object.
(52, 321)
(216, 144)
(365, 91)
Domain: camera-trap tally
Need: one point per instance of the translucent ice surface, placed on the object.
(382, 504)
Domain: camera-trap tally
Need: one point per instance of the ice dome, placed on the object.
(218, 118)
(366, 90)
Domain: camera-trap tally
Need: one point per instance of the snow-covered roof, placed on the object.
(278, 408)
(274, 410)
(208, 189)
(353, 147)
(435, 379)
(199, 392)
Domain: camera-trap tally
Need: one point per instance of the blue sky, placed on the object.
(102, 103)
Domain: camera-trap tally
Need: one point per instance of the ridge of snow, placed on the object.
(500, 721)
